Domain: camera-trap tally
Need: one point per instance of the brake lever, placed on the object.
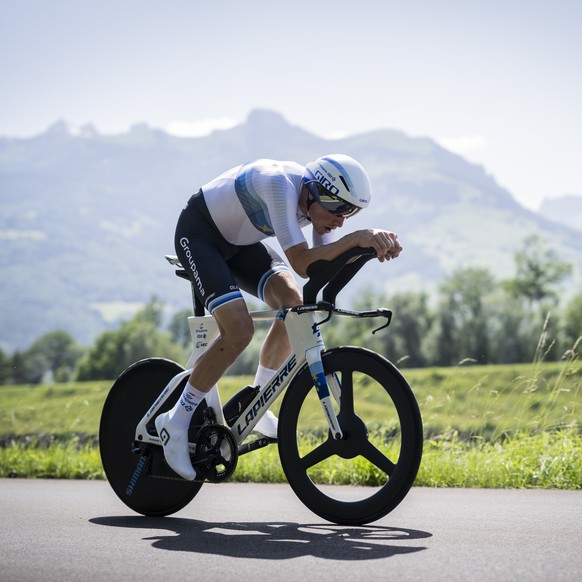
(388, 317)
(325, 306)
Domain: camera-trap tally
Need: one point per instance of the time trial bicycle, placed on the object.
(329, 414)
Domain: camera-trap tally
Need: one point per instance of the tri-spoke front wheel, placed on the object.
(381, 446)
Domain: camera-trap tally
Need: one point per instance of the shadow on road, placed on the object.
(272, 540)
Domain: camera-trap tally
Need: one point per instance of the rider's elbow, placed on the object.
(298, 259)
(301, 272)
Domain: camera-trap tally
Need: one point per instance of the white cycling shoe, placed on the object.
(175, 441)
(267, 426)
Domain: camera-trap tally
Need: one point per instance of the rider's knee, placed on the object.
(282, 291)
(238, 334)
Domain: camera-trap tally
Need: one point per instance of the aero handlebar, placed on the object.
(334, 275)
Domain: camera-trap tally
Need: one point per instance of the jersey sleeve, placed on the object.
(281, 199)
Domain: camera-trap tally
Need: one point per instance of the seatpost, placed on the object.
(196, 303)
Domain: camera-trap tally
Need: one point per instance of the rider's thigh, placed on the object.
(261, 272)
(234, 323)
(282, 290)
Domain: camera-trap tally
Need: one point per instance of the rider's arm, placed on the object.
(384, 242)
(301, 256)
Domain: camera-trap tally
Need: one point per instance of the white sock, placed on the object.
(263, 375)
(183, 410)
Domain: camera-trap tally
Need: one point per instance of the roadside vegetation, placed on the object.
(473, 318)
(485, 426)
(494, 365)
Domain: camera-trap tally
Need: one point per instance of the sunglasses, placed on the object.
(334, 204)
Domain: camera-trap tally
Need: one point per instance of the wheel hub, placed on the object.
(355, 437)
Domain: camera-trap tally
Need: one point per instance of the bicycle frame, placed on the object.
(307, 346)
(216, 448)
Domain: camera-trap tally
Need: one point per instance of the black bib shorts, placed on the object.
(217, 268)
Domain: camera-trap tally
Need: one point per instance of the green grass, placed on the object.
(483, 401)
(544, 460)
(489, 401)
(485, 426)
(59, 409)
(58, 460)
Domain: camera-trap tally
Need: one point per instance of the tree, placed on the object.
(402, 341)
(18, 368)
(5, 369)
(55, 353)
(410, 325)
(136, 339)
(462, 323)
(152, 312)
(572, 324)
(538, 272)
(514, 332)
(179, 329)
(354, 331)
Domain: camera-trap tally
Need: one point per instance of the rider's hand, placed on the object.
(385, 243)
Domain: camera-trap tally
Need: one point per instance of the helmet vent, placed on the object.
(345, 183)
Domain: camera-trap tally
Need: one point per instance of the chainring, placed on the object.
(216, 453)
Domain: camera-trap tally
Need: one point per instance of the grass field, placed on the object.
(484, 426)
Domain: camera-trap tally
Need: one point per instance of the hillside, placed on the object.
(565, 210)
(85, 218)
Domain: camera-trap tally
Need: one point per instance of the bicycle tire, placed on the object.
(144, 483)
(366, 379)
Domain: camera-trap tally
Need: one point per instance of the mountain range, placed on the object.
(86, 218)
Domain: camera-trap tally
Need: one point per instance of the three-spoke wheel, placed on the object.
(382, 456)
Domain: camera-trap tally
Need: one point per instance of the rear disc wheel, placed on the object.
(138, 472)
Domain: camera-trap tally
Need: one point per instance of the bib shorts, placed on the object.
(218, 269)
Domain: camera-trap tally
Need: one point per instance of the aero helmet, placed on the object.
(338, 183)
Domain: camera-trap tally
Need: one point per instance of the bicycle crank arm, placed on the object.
(254, 445)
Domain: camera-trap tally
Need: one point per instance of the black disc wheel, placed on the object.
(381, 446)
(138, 472)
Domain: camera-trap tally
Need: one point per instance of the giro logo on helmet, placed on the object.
(326, 183)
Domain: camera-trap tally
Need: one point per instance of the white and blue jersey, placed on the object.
(220, 234)
(258, 200)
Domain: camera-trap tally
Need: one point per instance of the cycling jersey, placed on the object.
(219, 233)
(258, 200)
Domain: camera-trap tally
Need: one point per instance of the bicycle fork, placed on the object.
(305, 337)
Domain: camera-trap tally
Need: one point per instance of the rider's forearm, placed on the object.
(301, 256)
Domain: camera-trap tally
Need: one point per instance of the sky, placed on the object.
(497, 81)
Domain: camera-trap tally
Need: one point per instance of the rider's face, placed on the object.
(324, 221)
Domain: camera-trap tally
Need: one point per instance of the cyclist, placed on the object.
(219, 241)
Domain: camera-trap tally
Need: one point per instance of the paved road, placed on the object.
(79, 530)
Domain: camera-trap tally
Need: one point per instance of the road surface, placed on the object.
(79, 530)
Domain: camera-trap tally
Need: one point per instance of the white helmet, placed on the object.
(338, 183)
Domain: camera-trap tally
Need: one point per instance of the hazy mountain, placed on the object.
(85, 219)
(565, 210)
